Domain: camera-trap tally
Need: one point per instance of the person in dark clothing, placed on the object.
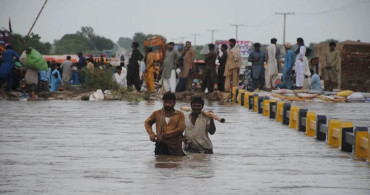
(209, 76)
(257, 57)
(133, 77)
(221, 69)
(6, 67)
(82, 61)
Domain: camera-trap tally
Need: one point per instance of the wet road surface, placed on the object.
(75, 147)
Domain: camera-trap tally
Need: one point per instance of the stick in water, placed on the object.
(205, 112)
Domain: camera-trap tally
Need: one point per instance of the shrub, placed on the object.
(99, 79)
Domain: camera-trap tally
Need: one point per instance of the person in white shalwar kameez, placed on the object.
(120, 76)
(271, 69)
(299, 63)
(307, 72)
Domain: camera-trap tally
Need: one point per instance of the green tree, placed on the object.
(20, 43)
(102, 43)
(73, 43)
(125, 42)
(86, 31)
(83, 41)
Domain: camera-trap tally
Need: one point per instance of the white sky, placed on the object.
(346, 19)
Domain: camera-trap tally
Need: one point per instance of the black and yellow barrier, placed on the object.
(255, 103)
(362, 145)
(279, 111)
(302, 115)
(241, 97)
(321, 127)
(286, 113)
(293, 117)
(273, 104)
(311, 124)
(337, 133)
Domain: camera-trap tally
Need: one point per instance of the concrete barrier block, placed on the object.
(311, 124)
(279, 111)
(273, 108)
(266, 108)
(286, 109)
(246, 99)
(362, 142)
(260, 104)
(255, 103)
(334, 132)
(302, 115)
(241, 97)
(320, 120)
(345, 127)
(293, 118)
(250, 101)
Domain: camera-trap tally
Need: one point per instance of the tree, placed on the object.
(102, 43)
(86, 31)
(83, 41)
(124, 42)
(20, 43)
(73, 43)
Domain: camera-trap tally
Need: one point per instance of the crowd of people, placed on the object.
(297, 71)
(177, 70)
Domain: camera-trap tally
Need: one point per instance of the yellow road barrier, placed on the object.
(311, 124)
(255, 104)
(234, 93)
(334, 132)
(362, 144)
(266, 108)
(279, 111)
(293, 119)
(246, 99)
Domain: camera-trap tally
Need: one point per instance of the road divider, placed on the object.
(336, 133)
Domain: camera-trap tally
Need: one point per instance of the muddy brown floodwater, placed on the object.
(76, 147)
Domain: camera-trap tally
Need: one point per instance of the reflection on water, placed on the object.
(73, 147)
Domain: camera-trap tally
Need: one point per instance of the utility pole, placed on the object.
(182, 39)
(38, 15)
(284, 14)
(213, 30)
(236, 29)
(195, 38)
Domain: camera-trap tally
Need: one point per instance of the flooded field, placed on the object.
(75, 147)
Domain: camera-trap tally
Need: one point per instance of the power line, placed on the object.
(347, 6)
(284, 14)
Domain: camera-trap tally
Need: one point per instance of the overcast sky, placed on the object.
(314, 20)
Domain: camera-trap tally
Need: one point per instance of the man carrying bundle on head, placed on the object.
(170, 125)
(197, 128)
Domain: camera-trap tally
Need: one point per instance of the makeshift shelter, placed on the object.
(354, 66)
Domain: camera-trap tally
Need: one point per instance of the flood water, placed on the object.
(76, 147)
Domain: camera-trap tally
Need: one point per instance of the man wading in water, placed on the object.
(197, 128)
(170, 125)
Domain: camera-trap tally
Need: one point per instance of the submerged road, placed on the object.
(75, 147)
